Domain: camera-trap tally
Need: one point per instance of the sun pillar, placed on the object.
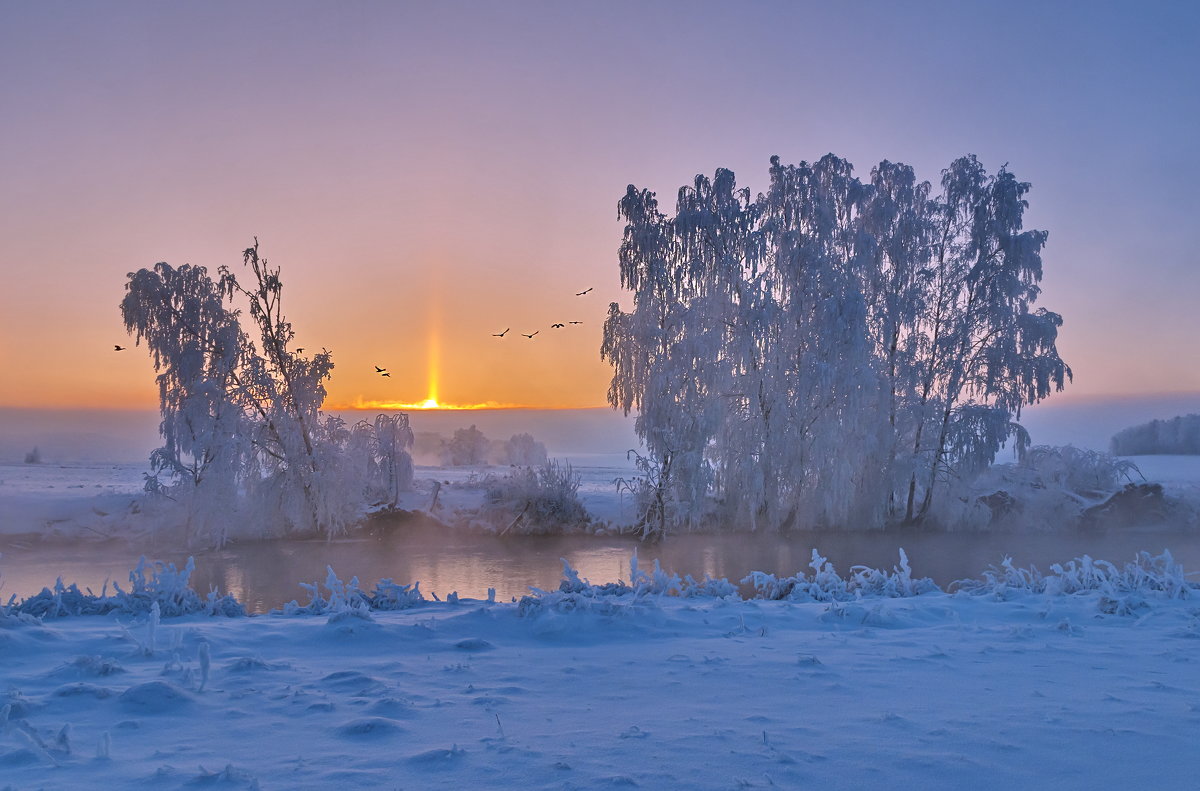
(431, 400)
(433, 352)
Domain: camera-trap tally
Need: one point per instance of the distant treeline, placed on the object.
(1178, 435)
(469, 447)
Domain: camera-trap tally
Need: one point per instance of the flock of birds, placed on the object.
(384, 372)
(556, 326)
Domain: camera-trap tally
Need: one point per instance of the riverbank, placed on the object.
(1006, 689)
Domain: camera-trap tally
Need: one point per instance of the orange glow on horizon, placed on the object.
(428, 404)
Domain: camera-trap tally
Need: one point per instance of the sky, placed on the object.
(428, 174)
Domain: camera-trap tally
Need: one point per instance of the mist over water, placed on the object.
(266, 575)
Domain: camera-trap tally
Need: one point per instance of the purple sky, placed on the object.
(430, 173)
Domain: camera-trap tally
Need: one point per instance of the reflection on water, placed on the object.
(266, 575)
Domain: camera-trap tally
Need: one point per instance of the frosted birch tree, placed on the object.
(831, 351)
(243, 433)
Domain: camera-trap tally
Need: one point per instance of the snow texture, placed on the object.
(1018, 680)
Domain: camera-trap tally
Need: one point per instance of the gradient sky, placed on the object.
(430, 173)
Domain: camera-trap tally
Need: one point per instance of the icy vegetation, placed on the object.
(343, 599)
(247, 451)
(1179, 435)
(822, 680)
(1048, 489)
(542, 499)
(833, 352)
(162, 590)
(166, 592)
(1124, 589)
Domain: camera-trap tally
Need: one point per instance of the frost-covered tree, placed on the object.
(832, 351)
(522, 450)
(469, 447)
(241, 422)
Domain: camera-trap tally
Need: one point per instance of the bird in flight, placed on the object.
(385, 373)
(556, 326)
(379, 370)
(586, 290)
(117, 348)
(535, 332)
(300, 350)
(575, 322)
(501, 334)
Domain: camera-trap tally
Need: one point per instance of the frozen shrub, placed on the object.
(541, 499)
(152, 586)
(347, 598)
(826, 585)
(1049, 488)
(1077, 470)
(1121, 589)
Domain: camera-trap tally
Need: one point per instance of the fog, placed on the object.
(128, 436)
(1091, 423)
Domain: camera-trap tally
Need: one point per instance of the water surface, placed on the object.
(265, 575)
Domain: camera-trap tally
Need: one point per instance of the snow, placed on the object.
(71, 497)
(997, 688)
(1083, 676)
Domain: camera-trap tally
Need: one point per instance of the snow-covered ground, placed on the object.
(1010, 686)
(71, 499)
(66, 499)
(1002, 689)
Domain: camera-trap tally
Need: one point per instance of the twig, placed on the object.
(518, 519)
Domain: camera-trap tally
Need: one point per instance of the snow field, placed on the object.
(577, 689)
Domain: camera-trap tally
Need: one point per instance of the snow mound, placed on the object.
(370, 727)
(155, 697)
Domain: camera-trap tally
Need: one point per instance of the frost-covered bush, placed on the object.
(1077, 470)
(657, 506)
(377, 453)
(1049, 488)
(826, 585)
(1121, 588)
(246, 450)
(541, 499)
(347, 598)
(154, 586)
(610, 598)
